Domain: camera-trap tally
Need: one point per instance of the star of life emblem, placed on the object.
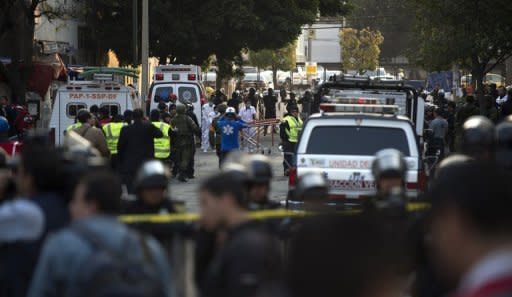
(228, 130)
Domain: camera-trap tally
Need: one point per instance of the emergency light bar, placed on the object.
(367, 101)
(361, 108)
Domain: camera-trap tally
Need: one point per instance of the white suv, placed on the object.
(342, 147)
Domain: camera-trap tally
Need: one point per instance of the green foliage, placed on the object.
(279, 59)
(472, 33)
(392, 18)
(360, 49)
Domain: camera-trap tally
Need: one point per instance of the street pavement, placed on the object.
(206, 164)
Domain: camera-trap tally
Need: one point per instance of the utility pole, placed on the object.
(135, 31)
(145, 53)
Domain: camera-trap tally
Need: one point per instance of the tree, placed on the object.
(360, 49)
(391, 17)
(190, 31)
(279, 59)
(473, 34)
(17, 21)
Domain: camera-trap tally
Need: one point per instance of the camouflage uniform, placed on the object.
(185, 128)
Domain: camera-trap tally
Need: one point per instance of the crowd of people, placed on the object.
(444, 118)
(60, 235)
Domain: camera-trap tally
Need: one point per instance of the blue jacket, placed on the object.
(65, 253)
(229, 136)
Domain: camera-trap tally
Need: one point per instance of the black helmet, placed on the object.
(181, 109)
(259, 169)
(152, 174)
(312, 182)
(504, 143)
(389, 162)
(446, 166)
(478, 136)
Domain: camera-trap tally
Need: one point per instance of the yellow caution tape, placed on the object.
(257, 215)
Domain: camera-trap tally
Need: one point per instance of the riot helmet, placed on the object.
(152, 174)
(478, 137)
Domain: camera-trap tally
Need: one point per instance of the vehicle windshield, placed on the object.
(355, 140)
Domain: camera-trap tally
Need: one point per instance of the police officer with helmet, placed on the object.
(478, 138)
(259, 172)
(504, 143)
(389, 171)
(313, 190)
(151, 187)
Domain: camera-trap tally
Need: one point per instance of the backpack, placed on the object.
(108, 273)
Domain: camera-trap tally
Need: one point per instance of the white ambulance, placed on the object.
(183, 81)
(77, 95)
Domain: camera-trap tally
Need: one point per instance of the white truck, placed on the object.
(184, 81)
(77, 95)
(359, 118)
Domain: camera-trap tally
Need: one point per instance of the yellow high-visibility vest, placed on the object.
(295, 127)
(163, 144)
(73, 127)
(112, 132)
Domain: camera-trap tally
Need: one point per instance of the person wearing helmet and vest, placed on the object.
(478, 138)
(259, 171)
(230, 127)
(151, 187)
(289, 132)
(504, 144)
(184, 130)
(112, 132)
(162, 144)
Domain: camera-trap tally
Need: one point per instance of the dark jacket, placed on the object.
(19, 260)
(248, 260)
(270, 102)
(136, 146)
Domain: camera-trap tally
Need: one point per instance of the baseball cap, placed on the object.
(231, 110)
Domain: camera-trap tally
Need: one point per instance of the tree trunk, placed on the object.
(21, 54)
(477, 80)
(274, 76)
(224, 71)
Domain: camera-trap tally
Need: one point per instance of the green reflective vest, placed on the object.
(73, 127)
(162, 145)
(112, 132)
(295, 127)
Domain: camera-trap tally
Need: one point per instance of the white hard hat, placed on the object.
(230, 110)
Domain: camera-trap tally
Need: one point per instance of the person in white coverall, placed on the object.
(208, 113)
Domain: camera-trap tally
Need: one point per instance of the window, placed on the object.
(162, 93)
(354, 140)
(73, 108)
(187, 94)
(113, 108)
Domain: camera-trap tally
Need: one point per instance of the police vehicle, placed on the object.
(358, 118)
(76, 95)
(182, 81)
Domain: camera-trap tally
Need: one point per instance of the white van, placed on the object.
(78, 95)
(180, 80)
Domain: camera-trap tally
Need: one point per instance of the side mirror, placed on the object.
(280, 148)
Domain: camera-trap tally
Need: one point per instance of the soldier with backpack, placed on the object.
(97, 255)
